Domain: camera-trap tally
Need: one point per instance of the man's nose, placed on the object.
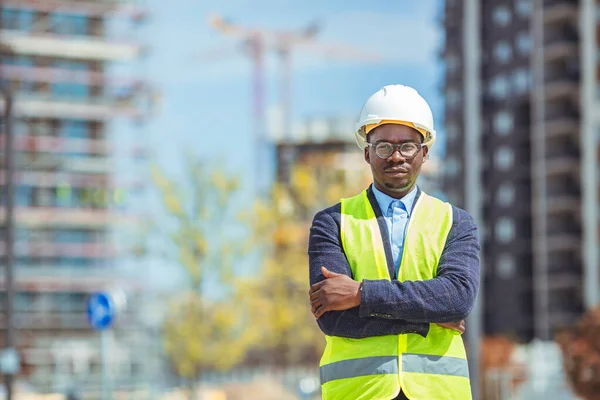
(397, 156)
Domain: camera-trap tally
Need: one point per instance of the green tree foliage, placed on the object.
(199, 236)
(276, 300)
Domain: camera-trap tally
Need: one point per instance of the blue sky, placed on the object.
(206, 102)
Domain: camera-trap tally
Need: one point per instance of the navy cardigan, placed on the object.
(393, 307)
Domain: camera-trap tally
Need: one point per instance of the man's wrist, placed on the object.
(359, 293)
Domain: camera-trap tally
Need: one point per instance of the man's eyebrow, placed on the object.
(401, 142)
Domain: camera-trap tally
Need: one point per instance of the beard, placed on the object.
(397, 187)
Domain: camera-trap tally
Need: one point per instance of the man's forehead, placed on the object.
(395, 131)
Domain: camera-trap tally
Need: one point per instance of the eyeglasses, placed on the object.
(385, 150)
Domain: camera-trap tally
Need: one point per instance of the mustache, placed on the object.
(396, 168)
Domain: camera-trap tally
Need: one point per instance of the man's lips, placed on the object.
(395, 171)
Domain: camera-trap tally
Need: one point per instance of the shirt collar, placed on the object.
(384, 200)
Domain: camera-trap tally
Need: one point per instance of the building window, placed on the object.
(503, 123)
(452, 98)
(25, 85)
(452, 63)
(502, 52)
(505, 266)
(68, 24)
(505, 195)
(74, 129)
(70, 89)
(41, 128)
(24, 301)
(521, 81)
(523, 7)
(451, 131)
(452, 166)
(44, 197)
(499, 87)
(17, 19)
(524, 43)
(504, 158)
(501, 15)
(505, 230)
(20, 127)
(24, 196)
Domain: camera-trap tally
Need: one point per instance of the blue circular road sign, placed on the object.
(100, 310)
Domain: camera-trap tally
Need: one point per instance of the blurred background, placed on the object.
(162, 163)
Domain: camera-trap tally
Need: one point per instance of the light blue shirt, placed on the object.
(396, 213)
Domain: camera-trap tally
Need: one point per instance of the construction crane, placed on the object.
(258, 41)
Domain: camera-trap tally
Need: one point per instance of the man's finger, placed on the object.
(314, 295)
(316, 287)
(320, 311)
(315, 302)
(328, 274)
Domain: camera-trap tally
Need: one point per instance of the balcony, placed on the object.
(561, 72)
(55, 249)
(63, 75)
(67, 46)
(563, 205)
(95, 108)
(49, 162)
(561, 32)
(568, 127)
(562, 319)
(52, 216)
(562, 88)
(560, 10)
(561, 109)
(97, 8)
(44, 179)
(564, 242)
(73, 280)
(564, 281)
(564, 165)
(560, 50)
(48, 320)
(59, 145)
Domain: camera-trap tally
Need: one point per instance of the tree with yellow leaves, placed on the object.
(276, 300)
(200, 333)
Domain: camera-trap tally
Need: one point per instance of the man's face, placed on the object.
(395, 175)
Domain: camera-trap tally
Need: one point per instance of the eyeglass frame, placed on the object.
(397, 147)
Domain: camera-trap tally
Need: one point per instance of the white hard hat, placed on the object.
(397, 104)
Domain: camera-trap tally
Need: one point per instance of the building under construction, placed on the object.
(327, 147)
(56, 56)
(522, 145)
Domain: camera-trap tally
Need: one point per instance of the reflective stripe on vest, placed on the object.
(432, 367)
(421, 363)
(359, 367)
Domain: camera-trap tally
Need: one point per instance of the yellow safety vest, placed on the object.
(376, 368)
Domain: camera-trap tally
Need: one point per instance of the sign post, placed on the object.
(101, 310)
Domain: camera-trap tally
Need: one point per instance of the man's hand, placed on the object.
(337, 292)
(455, 326)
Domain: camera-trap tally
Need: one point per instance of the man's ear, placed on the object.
(367, 156)
(425, 152)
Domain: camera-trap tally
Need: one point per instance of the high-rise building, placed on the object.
(56, 57)
(522, 154)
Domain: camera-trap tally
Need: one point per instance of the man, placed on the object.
(394, 271)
